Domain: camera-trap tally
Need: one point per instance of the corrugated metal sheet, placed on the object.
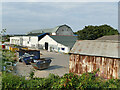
(65, 40)
(108, 67)
(97, 48)
(50, 30)
(110, 37)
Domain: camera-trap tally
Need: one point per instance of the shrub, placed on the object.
(68, 81)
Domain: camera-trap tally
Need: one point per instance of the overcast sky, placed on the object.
(22, 17)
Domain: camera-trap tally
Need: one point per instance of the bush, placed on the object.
(12, 81)
(68, 81)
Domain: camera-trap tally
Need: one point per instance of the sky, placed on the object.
(22, 17)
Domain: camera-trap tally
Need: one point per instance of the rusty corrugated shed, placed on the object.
(108, 67)
(97, 48)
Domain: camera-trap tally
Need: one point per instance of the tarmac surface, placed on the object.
(59, 65)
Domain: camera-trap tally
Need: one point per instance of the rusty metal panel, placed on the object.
(97, 48)
(109, 67)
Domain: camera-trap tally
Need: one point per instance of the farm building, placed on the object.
(91, 55)
(57, 43)
(16, 40)
(46, 41)
(59, 30)
(29, 41)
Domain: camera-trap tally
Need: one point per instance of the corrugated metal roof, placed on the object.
(97, 48)
(50, 30)
(110, 37)
(65, 40)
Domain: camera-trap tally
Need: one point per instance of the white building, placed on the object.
(59, 39)
(48, 42)
(16, 40)
(29, 41)
(57, 43)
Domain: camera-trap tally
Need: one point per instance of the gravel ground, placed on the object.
(22, 70)
(58, 66)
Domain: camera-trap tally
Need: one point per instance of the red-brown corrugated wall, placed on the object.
(108, 67)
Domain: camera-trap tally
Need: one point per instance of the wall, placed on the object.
(34, 41)
(49, 40)
(26, 41)
(66, 49)
(64, 30)
(109, 67)
(15, 40)
(29, 41)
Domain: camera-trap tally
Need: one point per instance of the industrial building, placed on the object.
(59, 39)
(92, 55)
(59, 30)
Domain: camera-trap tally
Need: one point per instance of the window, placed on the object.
(63, 49)
(29, 38)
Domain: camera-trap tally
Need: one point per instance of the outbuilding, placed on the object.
(29, 41)
(58, 43)
(90, 55)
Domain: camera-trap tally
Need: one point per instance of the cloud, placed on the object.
(23, 17)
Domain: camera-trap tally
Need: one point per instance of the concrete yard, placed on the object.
(58, 66)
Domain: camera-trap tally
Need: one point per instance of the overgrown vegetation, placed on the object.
(8, 55)
(68, 81)
(8, 58)
(94, 32)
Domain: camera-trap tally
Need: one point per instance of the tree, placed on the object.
(93, 32)
(2, 35)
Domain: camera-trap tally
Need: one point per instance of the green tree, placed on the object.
(93, 32)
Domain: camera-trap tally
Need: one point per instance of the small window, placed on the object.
(29, 38)
(63, 49)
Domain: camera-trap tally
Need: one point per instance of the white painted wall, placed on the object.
(53, 45)
(50, 41)
(28, 41)
(34, 41)
(15, 40)
(66, 49)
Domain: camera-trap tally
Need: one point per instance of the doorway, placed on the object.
(46, 45)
